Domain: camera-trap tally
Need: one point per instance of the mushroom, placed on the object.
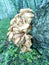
(19, 30)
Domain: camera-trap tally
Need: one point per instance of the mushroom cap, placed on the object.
(26, 10)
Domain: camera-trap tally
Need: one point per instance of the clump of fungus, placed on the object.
(19, 30)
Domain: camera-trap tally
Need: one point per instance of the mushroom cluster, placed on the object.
(19, 30)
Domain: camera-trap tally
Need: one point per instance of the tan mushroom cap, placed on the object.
(26, 10)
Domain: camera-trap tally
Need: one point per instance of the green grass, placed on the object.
(9, 53)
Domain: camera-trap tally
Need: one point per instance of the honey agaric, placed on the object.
(19, 29)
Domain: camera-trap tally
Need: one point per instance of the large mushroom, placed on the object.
(19, 29)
